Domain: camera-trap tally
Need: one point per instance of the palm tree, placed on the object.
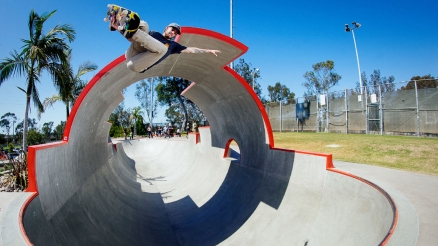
(41, 53)
(135, 116)
(72, 86)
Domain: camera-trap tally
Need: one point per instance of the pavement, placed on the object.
(419, 189)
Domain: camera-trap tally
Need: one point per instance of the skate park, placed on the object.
(89, 190)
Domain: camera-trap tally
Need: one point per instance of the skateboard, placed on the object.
(122, 19)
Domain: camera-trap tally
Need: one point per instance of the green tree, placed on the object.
(72, 86)
(135, 117)
(375, 82)
(280, 93)
(169, 93)
(35, 137)
(59, 130)
(321, 79)
(41, 52)
(176, 114)
(423, 82)
(120, 118)
(47, 129)
(144, 93)
(140, 126)
(6, 121)
(31, 123)
(250, 75)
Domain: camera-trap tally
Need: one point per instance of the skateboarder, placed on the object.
(147, 48)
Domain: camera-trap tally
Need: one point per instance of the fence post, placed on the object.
(418, 109)
(380, 111)
(281, 117)
(366, 110)
(346, 112)
(327, 113)
(317, 114)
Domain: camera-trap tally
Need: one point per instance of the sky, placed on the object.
(285, 38)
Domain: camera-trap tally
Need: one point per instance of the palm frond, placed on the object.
(32, 23)
(86, 67)
(21, 89)
(66, 30)
(36, 99)
(48, 102)
(12, 66)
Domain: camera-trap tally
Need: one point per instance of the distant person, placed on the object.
(170, 130)
(187, 129)
(178, 133)
(195, 127)
(149, 130)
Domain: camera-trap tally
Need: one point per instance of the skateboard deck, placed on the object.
(122, 19)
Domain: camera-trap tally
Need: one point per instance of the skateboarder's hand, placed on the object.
(214, 52)
(195, 50)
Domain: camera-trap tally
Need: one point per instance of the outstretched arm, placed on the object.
(195, 50)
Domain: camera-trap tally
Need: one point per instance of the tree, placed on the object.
(280, 93)
(41, 52)
(135, 117)
(169, 93)
(144, 94)
(175, 113)
(376, 81)
(321, 79)
(120, 119)
(140, 126)
(35, 137)
(59, 130)
(72, 86)
(6, 121)
(47, 129)
(423, 82)
(250, 75)
(32, 125)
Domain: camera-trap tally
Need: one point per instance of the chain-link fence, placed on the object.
(406, 108)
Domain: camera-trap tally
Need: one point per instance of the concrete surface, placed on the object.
(185, 192)
(419, 191)
(10, 207)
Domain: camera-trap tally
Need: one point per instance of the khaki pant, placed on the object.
(144, 50)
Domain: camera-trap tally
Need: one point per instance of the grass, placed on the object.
(399, 152)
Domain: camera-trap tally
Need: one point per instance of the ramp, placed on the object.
(91, 192)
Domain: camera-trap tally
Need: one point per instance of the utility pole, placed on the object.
(231, 27)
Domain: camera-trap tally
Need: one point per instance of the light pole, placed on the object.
(231, 27)
(348, 29)
(253, 74)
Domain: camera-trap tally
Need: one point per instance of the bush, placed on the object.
(116, 132)
(10, 147)
(34, 137)
(17, 180)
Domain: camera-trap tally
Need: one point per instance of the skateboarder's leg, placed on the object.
(143, 60)
(144, 51)
(150, 43)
